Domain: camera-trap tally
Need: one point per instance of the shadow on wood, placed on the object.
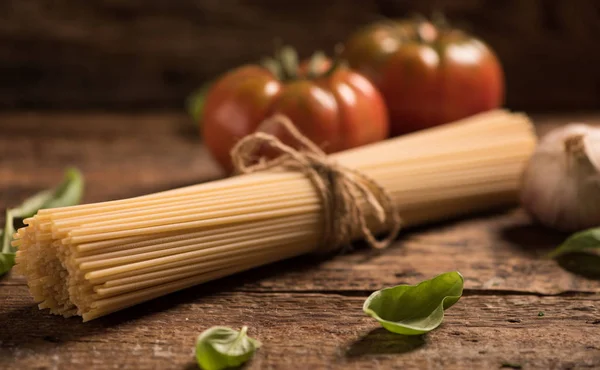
(583, 264)
(194, 366)
(38, 330)
(381, 341)
(191, 366)
(532, 238)
(44, 332)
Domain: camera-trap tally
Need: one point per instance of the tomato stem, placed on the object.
(288, 58)
(315, 62)
(337, 61)
(425, 30)
(418, 18)
(285, 65)
(272, 66)
(439, 20)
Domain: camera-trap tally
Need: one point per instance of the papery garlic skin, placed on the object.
(561, 182)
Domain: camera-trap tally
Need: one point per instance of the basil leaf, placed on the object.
(580, 263)
(415, 309)
(8, 232)
(31, 205)
(7, 254)
(578, 242)
(221, 347)
(67, 193)
(195, 102)
(7, 261)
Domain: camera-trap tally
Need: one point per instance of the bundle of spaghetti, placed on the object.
(94, 259)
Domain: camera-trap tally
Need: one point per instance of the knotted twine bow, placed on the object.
(341, 189)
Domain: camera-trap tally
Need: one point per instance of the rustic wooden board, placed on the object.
(307, 311)
(308, 331)
(120, 155)
(494, 253)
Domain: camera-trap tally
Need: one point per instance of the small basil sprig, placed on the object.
(7, 254)
(579, 242)
(195, 102)
(415, 309)
(221, 347)
(68, 193)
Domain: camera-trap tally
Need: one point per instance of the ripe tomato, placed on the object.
(428, 74)
(338, 109)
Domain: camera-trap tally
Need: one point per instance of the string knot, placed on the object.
(349, 198)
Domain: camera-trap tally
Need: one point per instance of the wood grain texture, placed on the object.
(120, 155)
(308, 331)
(307, 311)
(151, 54)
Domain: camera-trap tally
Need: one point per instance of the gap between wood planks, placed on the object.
(466, 292)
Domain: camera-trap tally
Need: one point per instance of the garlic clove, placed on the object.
(561, 182)
(592, 147)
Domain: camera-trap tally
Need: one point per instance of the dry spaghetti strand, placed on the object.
(94, 259)
(339, 188)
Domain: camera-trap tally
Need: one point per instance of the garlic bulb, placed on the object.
(561, 183)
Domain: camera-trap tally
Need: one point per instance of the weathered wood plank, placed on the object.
(306, 331)
(306, 311)
(120, 155)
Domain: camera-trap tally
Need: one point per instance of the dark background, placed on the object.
(149, 54)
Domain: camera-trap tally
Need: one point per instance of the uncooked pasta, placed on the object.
(94, 259)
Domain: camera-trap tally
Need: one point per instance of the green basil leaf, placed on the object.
(67, 193)
(7, 254)
(581, 263)
(33, 204)
(8, 232)
(195, 102)
(7, 261)
(221, 347)
(578, 242)
(415, 309)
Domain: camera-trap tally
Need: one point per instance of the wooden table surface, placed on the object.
(307, 312)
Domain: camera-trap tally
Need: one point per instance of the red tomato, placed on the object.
(338, 110)
(428, 75)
